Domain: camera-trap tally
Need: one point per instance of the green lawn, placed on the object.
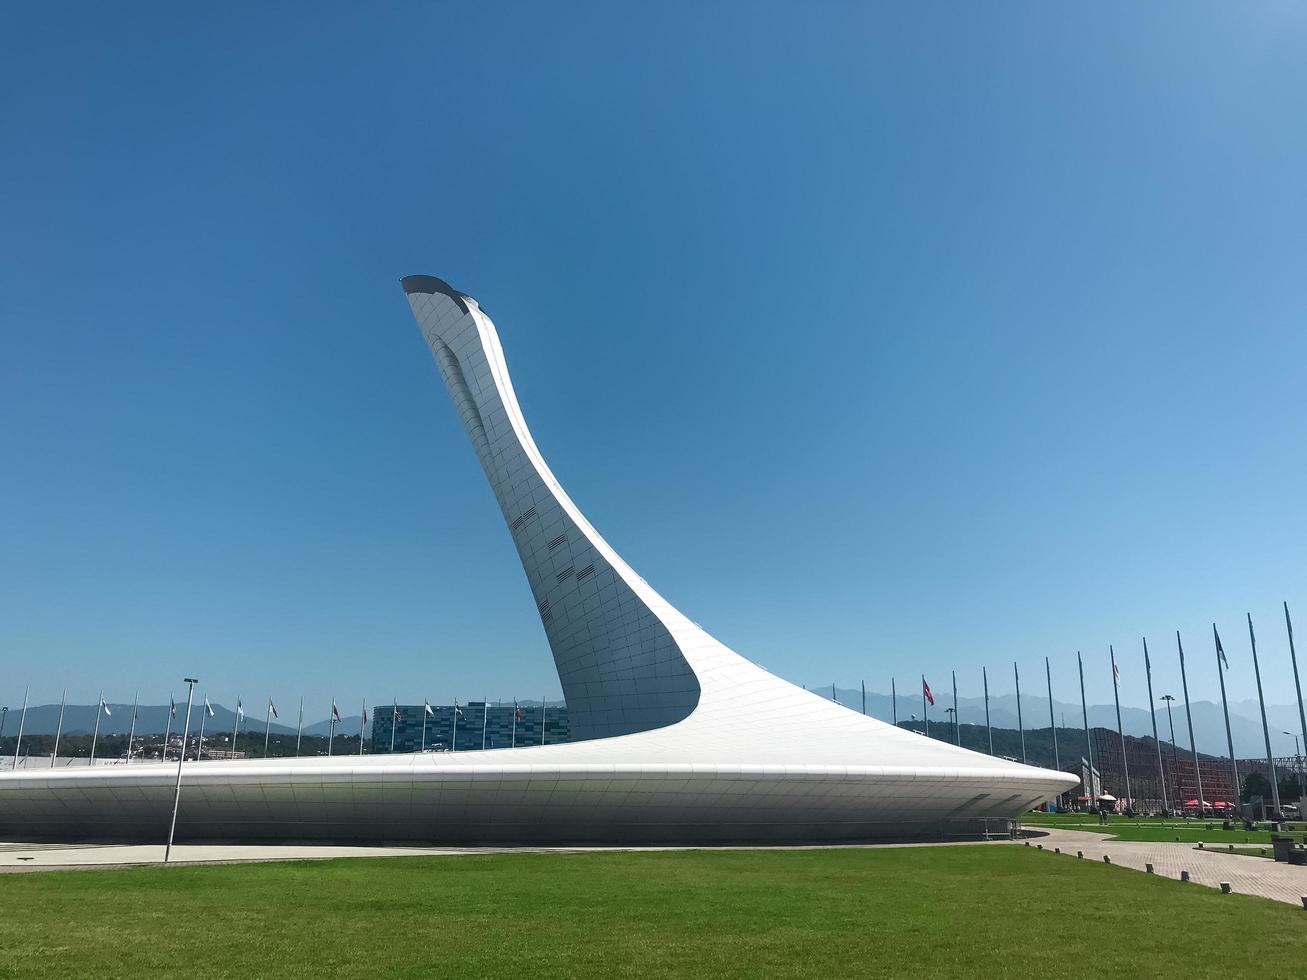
(991, 911)
(1149, 828)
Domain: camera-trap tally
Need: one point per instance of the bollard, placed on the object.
(1027, 843)
(1080, 854)
(1106, 859)
(1148, 868)
(1057, 850)
(1262, 852)
(1184, 875)
(1225, 888)
(1200, 845)
(1039, 846)
(1231, 848)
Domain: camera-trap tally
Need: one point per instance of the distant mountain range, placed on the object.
(152, 719)
(1209, 723)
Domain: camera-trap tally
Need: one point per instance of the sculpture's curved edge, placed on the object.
(615, 641)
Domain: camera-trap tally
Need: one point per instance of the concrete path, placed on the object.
(1247, 875)
(55, 856)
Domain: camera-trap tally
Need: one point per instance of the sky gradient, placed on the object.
(879, 339)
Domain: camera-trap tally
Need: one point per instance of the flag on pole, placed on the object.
(517, 711)
(335, 712)
(458, 712)
(240, 711)
(925, 690)
(1220, 650)
(1116, 675)
(208, 707)
(427, 705)
(172, 707)
(365, 715)
(273, 708)
(396, 711)
(105, 706)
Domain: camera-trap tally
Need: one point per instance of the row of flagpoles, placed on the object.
(1222, 662)
(103, 710)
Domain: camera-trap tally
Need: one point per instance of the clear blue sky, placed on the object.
(879, 338)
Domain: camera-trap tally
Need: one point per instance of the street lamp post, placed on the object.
(1298, 762)
(1168, 698)
(181, 757)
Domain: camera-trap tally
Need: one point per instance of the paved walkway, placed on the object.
(1247, 875)
(54, 856)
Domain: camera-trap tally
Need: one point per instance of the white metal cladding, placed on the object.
(689, 742)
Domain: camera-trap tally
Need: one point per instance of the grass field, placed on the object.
(1149, 828)
(992, 911)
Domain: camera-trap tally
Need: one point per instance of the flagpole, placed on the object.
(1116, 697)
(394, 723)
(1266, 731)
(167, 728)
(984, 675)
(864, 697)
(132, 734)
(1193, 746)
(177, 796)
(235, 726)
(1152, 711)
(426, 710)
(199, 746)
(59, 731)
(363, 720)
(95, 735)
(1293, 655)
(485, 717)
(453, 742)
(331, 736)
(894, 700)
(299, 731)
(1089, 743)
(1225, 707)
(514, 723)
(267, 726)
(542, 719)
(957, 728)
(1017, 674)
(924, 714)
(22, 720)
(1052, 722)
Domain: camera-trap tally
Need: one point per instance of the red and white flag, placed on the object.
(925, 690)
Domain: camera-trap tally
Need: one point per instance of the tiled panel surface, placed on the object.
(620, 669)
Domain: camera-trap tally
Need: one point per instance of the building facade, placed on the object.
(471, 727)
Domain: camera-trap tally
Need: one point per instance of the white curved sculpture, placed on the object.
(685, 741)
